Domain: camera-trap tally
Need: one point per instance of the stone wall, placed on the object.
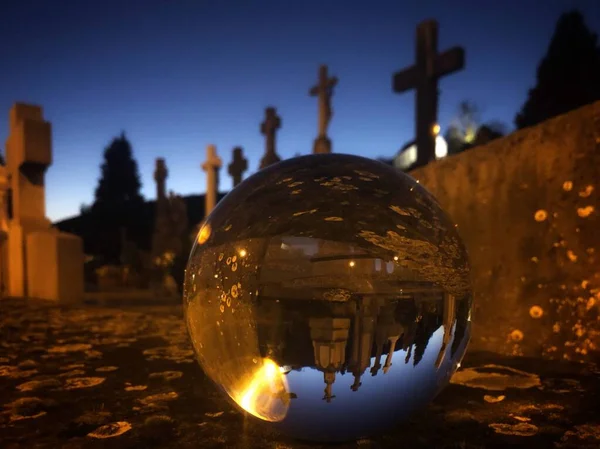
(527, 206)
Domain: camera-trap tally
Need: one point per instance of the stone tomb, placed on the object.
(42, 262)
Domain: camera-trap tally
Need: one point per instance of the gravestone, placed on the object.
(423, 76)
(43, 262)
(169, 244)
(238, 166)
(161, 214)
(211, 166)
(268, 128)
(171, 219)
(323, 91)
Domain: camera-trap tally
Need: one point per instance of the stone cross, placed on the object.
(269, 127)
(211, 166)
(423, 76)
(238, 166)
(324, 91)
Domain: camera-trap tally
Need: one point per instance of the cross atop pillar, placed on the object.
(238, 166)
(268, 128)
(423, 76)
(211, 166)
(323, 91)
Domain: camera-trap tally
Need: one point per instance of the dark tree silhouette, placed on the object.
(118, 203)
(568, 75)
(119, 184)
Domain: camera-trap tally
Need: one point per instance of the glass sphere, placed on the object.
(329, 296)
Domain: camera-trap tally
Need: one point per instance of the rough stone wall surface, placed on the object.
(527, 207)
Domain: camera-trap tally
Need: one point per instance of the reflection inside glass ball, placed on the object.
(329, 296)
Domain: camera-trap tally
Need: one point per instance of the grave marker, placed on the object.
(238, 166)
(43, 263)
(324, 91)
(423, 76)
(269, 128)
(211, 166)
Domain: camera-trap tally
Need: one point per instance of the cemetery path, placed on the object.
(86, 377)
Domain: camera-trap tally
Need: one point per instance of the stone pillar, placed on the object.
(161, 210)
(28, 155)
(160, 176)
(388, 359)
(211, 166)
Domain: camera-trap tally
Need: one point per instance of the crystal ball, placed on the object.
(329, 296)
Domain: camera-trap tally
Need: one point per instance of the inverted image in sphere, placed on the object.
(329, 296)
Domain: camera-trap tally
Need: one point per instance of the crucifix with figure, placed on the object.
(269, 127)
(423, 76)
(324, 91)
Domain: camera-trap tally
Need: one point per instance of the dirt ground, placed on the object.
(125, 377)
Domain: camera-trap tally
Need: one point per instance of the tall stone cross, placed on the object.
(211, 166)
(423, 76)
(323, 91)
(269, 127)
(238, 166)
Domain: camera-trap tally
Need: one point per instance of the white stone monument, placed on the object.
(42, 262)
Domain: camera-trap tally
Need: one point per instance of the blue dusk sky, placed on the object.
(176, 75)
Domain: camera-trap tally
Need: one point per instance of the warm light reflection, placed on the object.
(243, 253)
(352, 263)
(204, 234)
(265, 395)
(435, 129)
(396, 258)
(441, 147)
